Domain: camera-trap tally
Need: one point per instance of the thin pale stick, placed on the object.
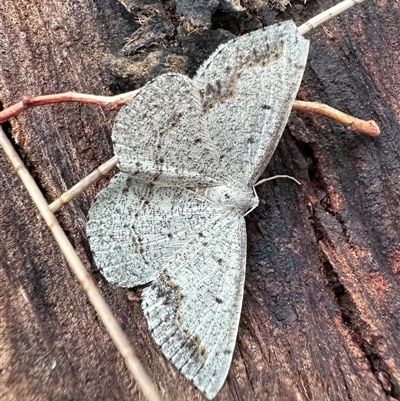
(352, 123)
(77, 189)
(104, 312)
(327, 15)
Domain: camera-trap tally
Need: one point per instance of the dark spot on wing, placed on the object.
(266, 107)
(219, 261)
(174, 120)
(204, 243)
(218, 83)
(218, 300)
(197, 140)
(161, 160)
(146, 202)
(227, 351)
(169, 235)
(250, 140)
(160, 292)
(201, 235)
(137, 164)
(209, 89)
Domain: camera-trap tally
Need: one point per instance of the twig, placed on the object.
(354, 124)
(77, 189)
(110, 102)
(327, 15)
(104, 312)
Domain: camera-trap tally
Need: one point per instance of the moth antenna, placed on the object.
(327, 15)
(265, 180)
(273, 178)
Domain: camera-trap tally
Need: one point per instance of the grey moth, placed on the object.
(190, 151)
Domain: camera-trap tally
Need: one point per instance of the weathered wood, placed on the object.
(321, 312)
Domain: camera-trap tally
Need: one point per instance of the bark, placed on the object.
(321, 310)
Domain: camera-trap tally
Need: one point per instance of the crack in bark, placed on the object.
(350, 314)
(358, 328)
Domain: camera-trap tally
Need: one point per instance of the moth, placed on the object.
(190, 152)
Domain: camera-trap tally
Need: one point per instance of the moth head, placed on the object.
(241, 199)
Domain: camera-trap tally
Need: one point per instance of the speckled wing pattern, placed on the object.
(254, 80)
(161, 136)
(156, 223)
(186, 248)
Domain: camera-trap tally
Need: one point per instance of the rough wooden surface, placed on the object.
(321, 313)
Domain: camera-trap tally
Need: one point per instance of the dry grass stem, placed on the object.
(104, 312)
(327, 15)
(81, 186)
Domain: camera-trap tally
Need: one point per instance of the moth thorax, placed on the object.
(241, 199)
